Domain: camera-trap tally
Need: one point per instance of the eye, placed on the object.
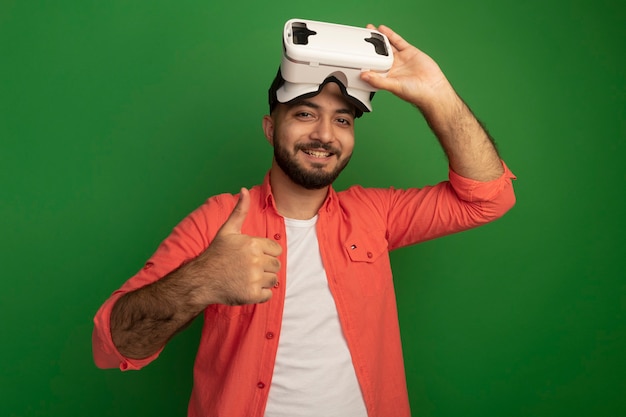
(344, 121)
(304, 114)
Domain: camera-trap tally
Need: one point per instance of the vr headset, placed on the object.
(315, 53)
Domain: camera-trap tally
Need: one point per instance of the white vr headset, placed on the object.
(315, 53)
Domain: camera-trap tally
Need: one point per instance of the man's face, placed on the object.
(313, 138)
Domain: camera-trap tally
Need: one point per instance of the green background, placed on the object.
(118, 118)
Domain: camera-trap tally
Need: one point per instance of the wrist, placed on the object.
(441, 101)
(192, 286)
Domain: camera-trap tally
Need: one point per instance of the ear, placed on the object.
(268, 128)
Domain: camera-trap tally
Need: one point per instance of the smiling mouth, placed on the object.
(317, 154)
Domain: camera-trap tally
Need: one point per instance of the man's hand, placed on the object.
(414, 76)
(239, 269)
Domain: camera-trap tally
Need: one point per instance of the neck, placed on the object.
(292, 200)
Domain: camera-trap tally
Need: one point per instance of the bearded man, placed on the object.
(293, 278)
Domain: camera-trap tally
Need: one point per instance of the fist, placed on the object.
(239, 269)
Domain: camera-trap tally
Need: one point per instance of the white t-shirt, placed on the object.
(313, 374)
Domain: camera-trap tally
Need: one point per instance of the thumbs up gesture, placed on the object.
(238, 269)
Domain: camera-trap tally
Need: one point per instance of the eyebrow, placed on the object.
(308, 103)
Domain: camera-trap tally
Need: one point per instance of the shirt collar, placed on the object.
(267, 198)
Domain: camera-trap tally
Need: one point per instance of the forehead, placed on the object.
(332, 91)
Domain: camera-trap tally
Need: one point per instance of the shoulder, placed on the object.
(214, 211)
(366, 202)
(358, 194)
(227, 201)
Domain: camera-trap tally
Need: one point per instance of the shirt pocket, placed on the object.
(368, 261)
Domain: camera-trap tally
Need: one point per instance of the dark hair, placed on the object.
(359, 108)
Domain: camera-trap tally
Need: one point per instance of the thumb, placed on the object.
(376, 80)
(235, 221)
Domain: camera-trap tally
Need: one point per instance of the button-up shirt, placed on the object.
(356, 229)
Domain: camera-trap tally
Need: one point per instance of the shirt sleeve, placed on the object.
(472, 191)
(105, 354)
(420, 214)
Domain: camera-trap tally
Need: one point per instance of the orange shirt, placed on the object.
(356, 229)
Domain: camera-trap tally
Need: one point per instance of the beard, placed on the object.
(311, 179)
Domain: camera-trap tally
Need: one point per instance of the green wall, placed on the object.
(118, 118)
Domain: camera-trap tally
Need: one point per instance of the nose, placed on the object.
(323, 130)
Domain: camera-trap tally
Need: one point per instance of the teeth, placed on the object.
(318, 154)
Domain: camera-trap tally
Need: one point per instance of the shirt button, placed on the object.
(277, 284)
(277, 236)
(269, 335)
(260, 385)
(370, 254)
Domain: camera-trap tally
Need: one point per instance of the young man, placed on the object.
(294, 278)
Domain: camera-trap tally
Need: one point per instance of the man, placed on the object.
(294, 278)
